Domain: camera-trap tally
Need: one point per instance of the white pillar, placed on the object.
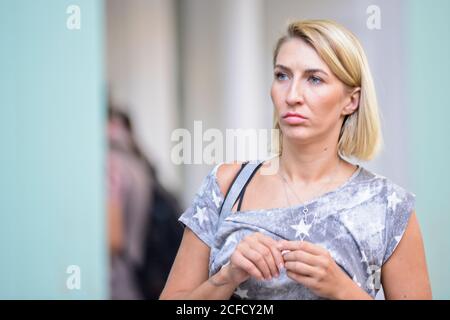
(223, 69)
(242, 61)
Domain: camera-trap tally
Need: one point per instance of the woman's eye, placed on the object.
(281, 76)
(315, 80)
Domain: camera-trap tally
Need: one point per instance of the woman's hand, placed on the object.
(312, 266)
(255, 256)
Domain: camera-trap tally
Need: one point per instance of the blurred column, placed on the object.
(222, 71)
(242, 63)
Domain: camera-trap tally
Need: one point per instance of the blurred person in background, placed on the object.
(128, 206)
(144, 233)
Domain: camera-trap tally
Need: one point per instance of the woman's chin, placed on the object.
(296, 132)
(297, 137)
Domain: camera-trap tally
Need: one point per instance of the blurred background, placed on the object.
(92, 91)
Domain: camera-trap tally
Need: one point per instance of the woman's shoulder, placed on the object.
(389, 188)
(224, 174)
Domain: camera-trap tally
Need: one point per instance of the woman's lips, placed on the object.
(293, 118)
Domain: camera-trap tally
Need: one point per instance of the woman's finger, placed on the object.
(256, 258)
(238, 260)
(259, 246)
(272, 245)
(302, 256)
(301, 245)
(308, 282)
(300, 268)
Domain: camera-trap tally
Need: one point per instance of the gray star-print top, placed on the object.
(360, 223)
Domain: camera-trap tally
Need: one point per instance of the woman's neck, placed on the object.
(309, 164)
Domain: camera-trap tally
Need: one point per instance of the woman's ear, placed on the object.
(352, 102)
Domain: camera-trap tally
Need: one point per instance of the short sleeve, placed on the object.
(400, 206)
(202, 215)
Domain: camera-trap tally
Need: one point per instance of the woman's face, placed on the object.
(309, 99)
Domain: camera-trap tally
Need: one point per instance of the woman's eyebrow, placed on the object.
(310, 71)
(307, 71)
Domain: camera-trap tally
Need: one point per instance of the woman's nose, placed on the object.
(295, 94)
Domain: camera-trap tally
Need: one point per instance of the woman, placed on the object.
(321, 227)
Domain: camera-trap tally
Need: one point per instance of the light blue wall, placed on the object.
(51, 125)
(429, 71)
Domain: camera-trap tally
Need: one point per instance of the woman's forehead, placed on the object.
(296, 54)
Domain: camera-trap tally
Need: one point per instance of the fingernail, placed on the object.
(281, 266)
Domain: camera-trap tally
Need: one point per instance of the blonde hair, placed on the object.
(360, 134)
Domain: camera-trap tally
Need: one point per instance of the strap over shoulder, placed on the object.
(236, 189)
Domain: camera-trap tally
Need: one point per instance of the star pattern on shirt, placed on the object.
(364, 257)
(216, 199)
(301, 228)
(373, 198)
(200, 215)
(243, 294)
(393, 200)
(365, 195)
